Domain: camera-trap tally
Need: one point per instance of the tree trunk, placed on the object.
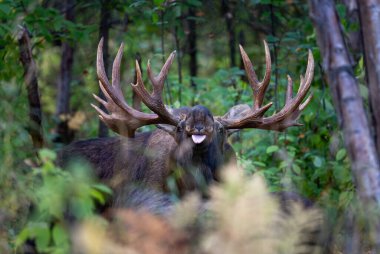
(351, 244)
(169, 99)
(192, 39)
(179, 63)
(65, 134)
(105, 16)
(241, 64)
(30, 77)
(275, 59)
(354, 37)
(370, 20)
(228, 16)
(241, 67)
(349, 107)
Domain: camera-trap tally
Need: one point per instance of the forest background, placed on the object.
(320, 160)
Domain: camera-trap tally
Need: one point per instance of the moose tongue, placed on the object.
(198, 138)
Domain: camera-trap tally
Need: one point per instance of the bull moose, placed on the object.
(190, 143)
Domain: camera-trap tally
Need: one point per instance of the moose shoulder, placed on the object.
(190, 144)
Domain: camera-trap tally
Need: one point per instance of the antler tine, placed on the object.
(302, 80)
(251, 74)
(154, 101)
(116, 68)
(139, 87)
(259, 88)
(159, 80)
(303, 105)
(102, 76)
(309, 74)
(289, 90)
(305, 82)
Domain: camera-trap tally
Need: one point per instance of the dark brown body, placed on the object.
(150, 158)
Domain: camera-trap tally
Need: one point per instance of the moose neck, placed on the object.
(199, 164)
(208, 155)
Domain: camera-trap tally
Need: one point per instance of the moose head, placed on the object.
(197, 139)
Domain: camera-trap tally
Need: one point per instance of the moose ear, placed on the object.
(237, 111)
(229, 132)
(170, 129)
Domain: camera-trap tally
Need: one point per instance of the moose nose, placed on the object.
(199, 128)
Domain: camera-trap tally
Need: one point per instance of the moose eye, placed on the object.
(188, 128)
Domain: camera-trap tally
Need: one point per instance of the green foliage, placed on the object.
(56, 196)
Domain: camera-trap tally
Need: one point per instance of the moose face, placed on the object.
(197, 129)
(197, 125)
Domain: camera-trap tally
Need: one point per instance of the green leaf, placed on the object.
(98, 196)
(272, 149)
(195, 3)
(22, 237)
(82, 207)
(176, 104)
(5, 8)
(42, 236)
(340, 154)
(57, 24)
(283, 164)
(155, 18)
(270, 171)
(259, 164)
(345, 198)
(47, 155)
(60, 236)
(317, 161)
(103, 188)
(296, 169)
(158, 2)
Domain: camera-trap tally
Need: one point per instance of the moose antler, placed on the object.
(154, 101)
(121, 117)
(286, 117)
